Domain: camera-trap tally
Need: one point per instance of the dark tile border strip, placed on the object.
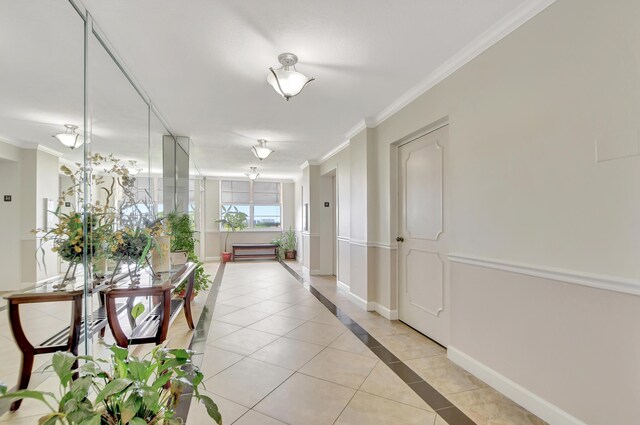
(430, 395)
(199, 339)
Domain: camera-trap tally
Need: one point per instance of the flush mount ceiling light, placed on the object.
(286, 80)
(261, 151)
(253, 174)
(70, 138)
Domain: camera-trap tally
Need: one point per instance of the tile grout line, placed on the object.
(457, 417)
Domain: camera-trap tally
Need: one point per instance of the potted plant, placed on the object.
(184, 242)
(132, 390)
(289, 244)
(286, 245)
(232, 220)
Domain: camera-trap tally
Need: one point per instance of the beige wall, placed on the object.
(29, 176)
(532, 120)
(10, 255)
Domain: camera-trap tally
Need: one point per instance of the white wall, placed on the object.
(528, 120)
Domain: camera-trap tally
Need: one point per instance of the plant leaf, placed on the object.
(36, 395)
(137, 310)
(137, 421)
(212, 408)
(113, 387)
(50, 419)
(93, 420)
(62, 363)
(119, 352)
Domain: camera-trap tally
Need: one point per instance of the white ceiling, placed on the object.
(203, 63)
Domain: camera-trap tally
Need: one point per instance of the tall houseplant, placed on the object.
(232, 220)
(182, 232)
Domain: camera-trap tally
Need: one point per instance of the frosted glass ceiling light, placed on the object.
(286, 80)
(70, 138)
(261, 151)
(253, 174)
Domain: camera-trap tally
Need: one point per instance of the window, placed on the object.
(261, 201)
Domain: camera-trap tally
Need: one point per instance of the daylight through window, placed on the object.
(261, 201)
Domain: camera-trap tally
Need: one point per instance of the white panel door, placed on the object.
(422, 241)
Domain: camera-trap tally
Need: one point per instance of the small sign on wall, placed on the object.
(7, 198)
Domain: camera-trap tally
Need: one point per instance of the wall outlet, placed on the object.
(7, 198)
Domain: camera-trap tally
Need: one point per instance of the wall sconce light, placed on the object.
(253, 174)
(261, 151)
(286, 80)
(70, 138)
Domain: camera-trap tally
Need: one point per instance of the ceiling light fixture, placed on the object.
(253, 174)
(70, 138)
(261, 151)
(286, 81)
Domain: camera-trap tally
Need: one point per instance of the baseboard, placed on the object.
(530, 401)
(211, 259)
(314, 272)
(343, 286)
(385, 312)
(364, 304)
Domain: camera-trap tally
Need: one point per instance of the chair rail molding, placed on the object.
(605, 282)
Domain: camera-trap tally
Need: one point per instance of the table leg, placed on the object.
(187, 300)
(25, 376)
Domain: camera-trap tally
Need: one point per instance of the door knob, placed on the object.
(399, 239)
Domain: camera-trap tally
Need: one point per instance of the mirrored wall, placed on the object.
(79, 208)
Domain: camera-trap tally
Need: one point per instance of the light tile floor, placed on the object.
(276, 355)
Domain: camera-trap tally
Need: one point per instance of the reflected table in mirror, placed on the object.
(153, 325)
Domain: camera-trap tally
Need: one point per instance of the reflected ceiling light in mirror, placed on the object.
(286, 80)
(261, 151)
(70, 138)
(134, 168)
(253, 174)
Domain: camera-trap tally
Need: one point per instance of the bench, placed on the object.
(153, 325)
(252, 248)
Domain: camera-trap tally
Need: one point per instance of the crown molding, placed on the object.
(308, 163)
(50, 151)
(497, 32)
(335, 150)
(360, 125)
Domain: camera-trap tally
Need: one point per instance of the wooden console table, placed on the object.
(254, 247)
(153, 326)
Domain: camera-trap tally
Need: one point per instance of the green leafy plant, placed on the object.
(232, 220)
(182, 239)
(123, 390)
(287, 242)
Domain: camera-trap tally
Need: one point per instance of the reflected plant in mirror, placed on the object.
(119, 222)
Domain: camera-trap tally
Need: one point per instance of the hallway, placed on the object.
(280, 351)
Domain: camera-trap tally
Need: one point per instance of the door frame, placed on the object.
(394, 221)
